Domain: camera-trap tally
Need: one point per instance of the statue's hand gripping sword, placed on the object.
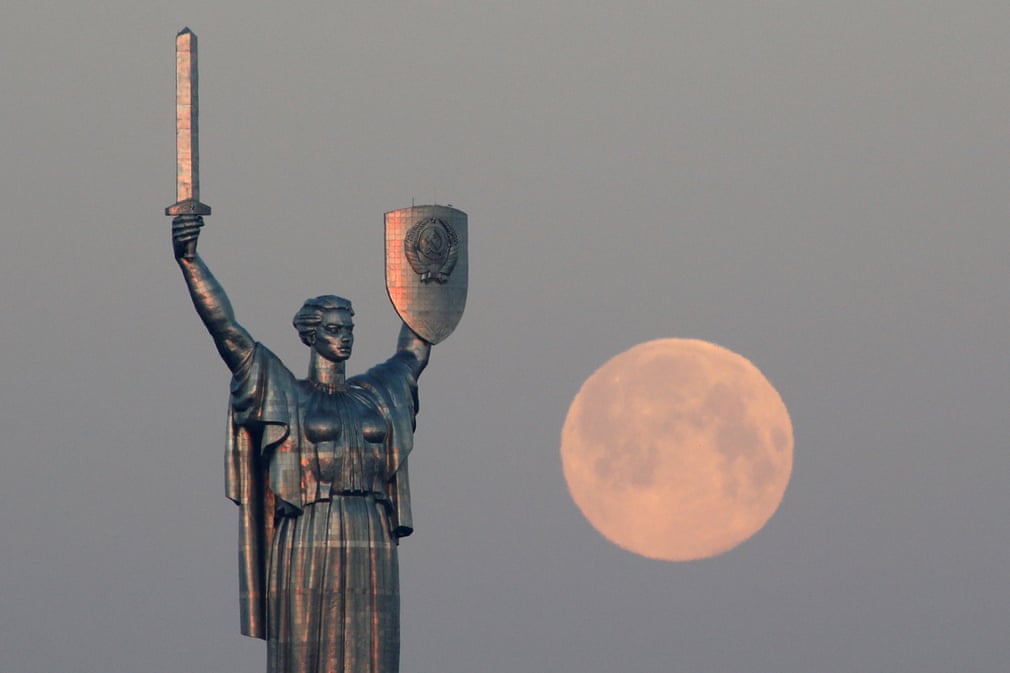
(187, 130)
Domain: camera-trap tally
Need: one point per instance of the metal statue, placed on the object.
(318, 466)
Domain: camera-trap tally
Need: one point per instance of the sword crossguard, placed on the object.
(187, 207)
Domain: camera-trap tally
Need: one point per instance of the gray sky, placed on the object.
(820, 187)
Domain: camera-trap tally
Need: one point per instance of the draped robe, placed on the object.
(319, 580)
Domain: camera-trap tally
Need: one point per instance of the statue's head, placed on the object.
(325, 324)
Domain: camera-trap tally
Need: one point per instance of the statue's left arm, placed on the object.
(414, 345)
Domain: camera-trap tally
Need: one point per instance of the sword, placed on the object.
(187, 130)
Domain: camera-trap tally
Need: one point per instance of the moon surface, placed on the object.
(677, 449)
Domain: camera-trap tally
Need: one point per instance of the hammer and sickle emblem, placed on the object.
(431, 247)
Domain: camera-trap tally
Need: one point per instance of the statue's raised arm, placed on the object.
(232, 340)
(409, 342)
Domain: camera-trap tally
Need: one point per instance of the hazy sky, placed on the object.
(820, 187)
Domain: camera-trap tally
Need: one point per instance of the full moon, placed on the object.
(677, 449)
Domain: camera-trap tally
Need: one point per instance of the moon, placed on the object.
(677, 449)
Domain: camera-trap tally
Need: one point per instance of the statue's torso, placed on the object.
(344, 438)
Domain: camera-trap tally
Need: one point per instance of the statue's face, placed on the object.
(335, 336)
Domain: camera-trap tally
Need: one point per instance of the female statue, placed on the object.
(318, 469)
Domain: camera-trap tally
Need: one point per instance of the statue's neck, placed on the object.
(326, 373)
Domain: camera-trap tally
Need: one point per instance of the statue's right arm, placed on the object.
(232, 340)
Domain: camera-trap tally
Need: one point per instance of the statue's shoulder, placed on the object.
(392, 371)
(262, 367)
(267, 358)
(392, 385)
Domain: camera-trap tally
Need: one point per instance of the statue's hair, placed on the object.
(310, 315)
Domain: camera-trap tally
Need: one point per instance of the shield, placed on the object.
(426, 268)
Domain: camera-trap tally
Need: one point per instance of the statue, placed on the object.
(318, 466)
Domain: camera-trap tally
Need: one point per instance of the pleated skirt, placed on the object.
(333, 600)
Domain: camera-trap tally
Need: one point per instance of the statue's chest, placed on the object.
(348, 435)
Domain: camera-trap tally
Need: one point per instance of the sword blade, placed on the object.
(187, 128)
(187, 125)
